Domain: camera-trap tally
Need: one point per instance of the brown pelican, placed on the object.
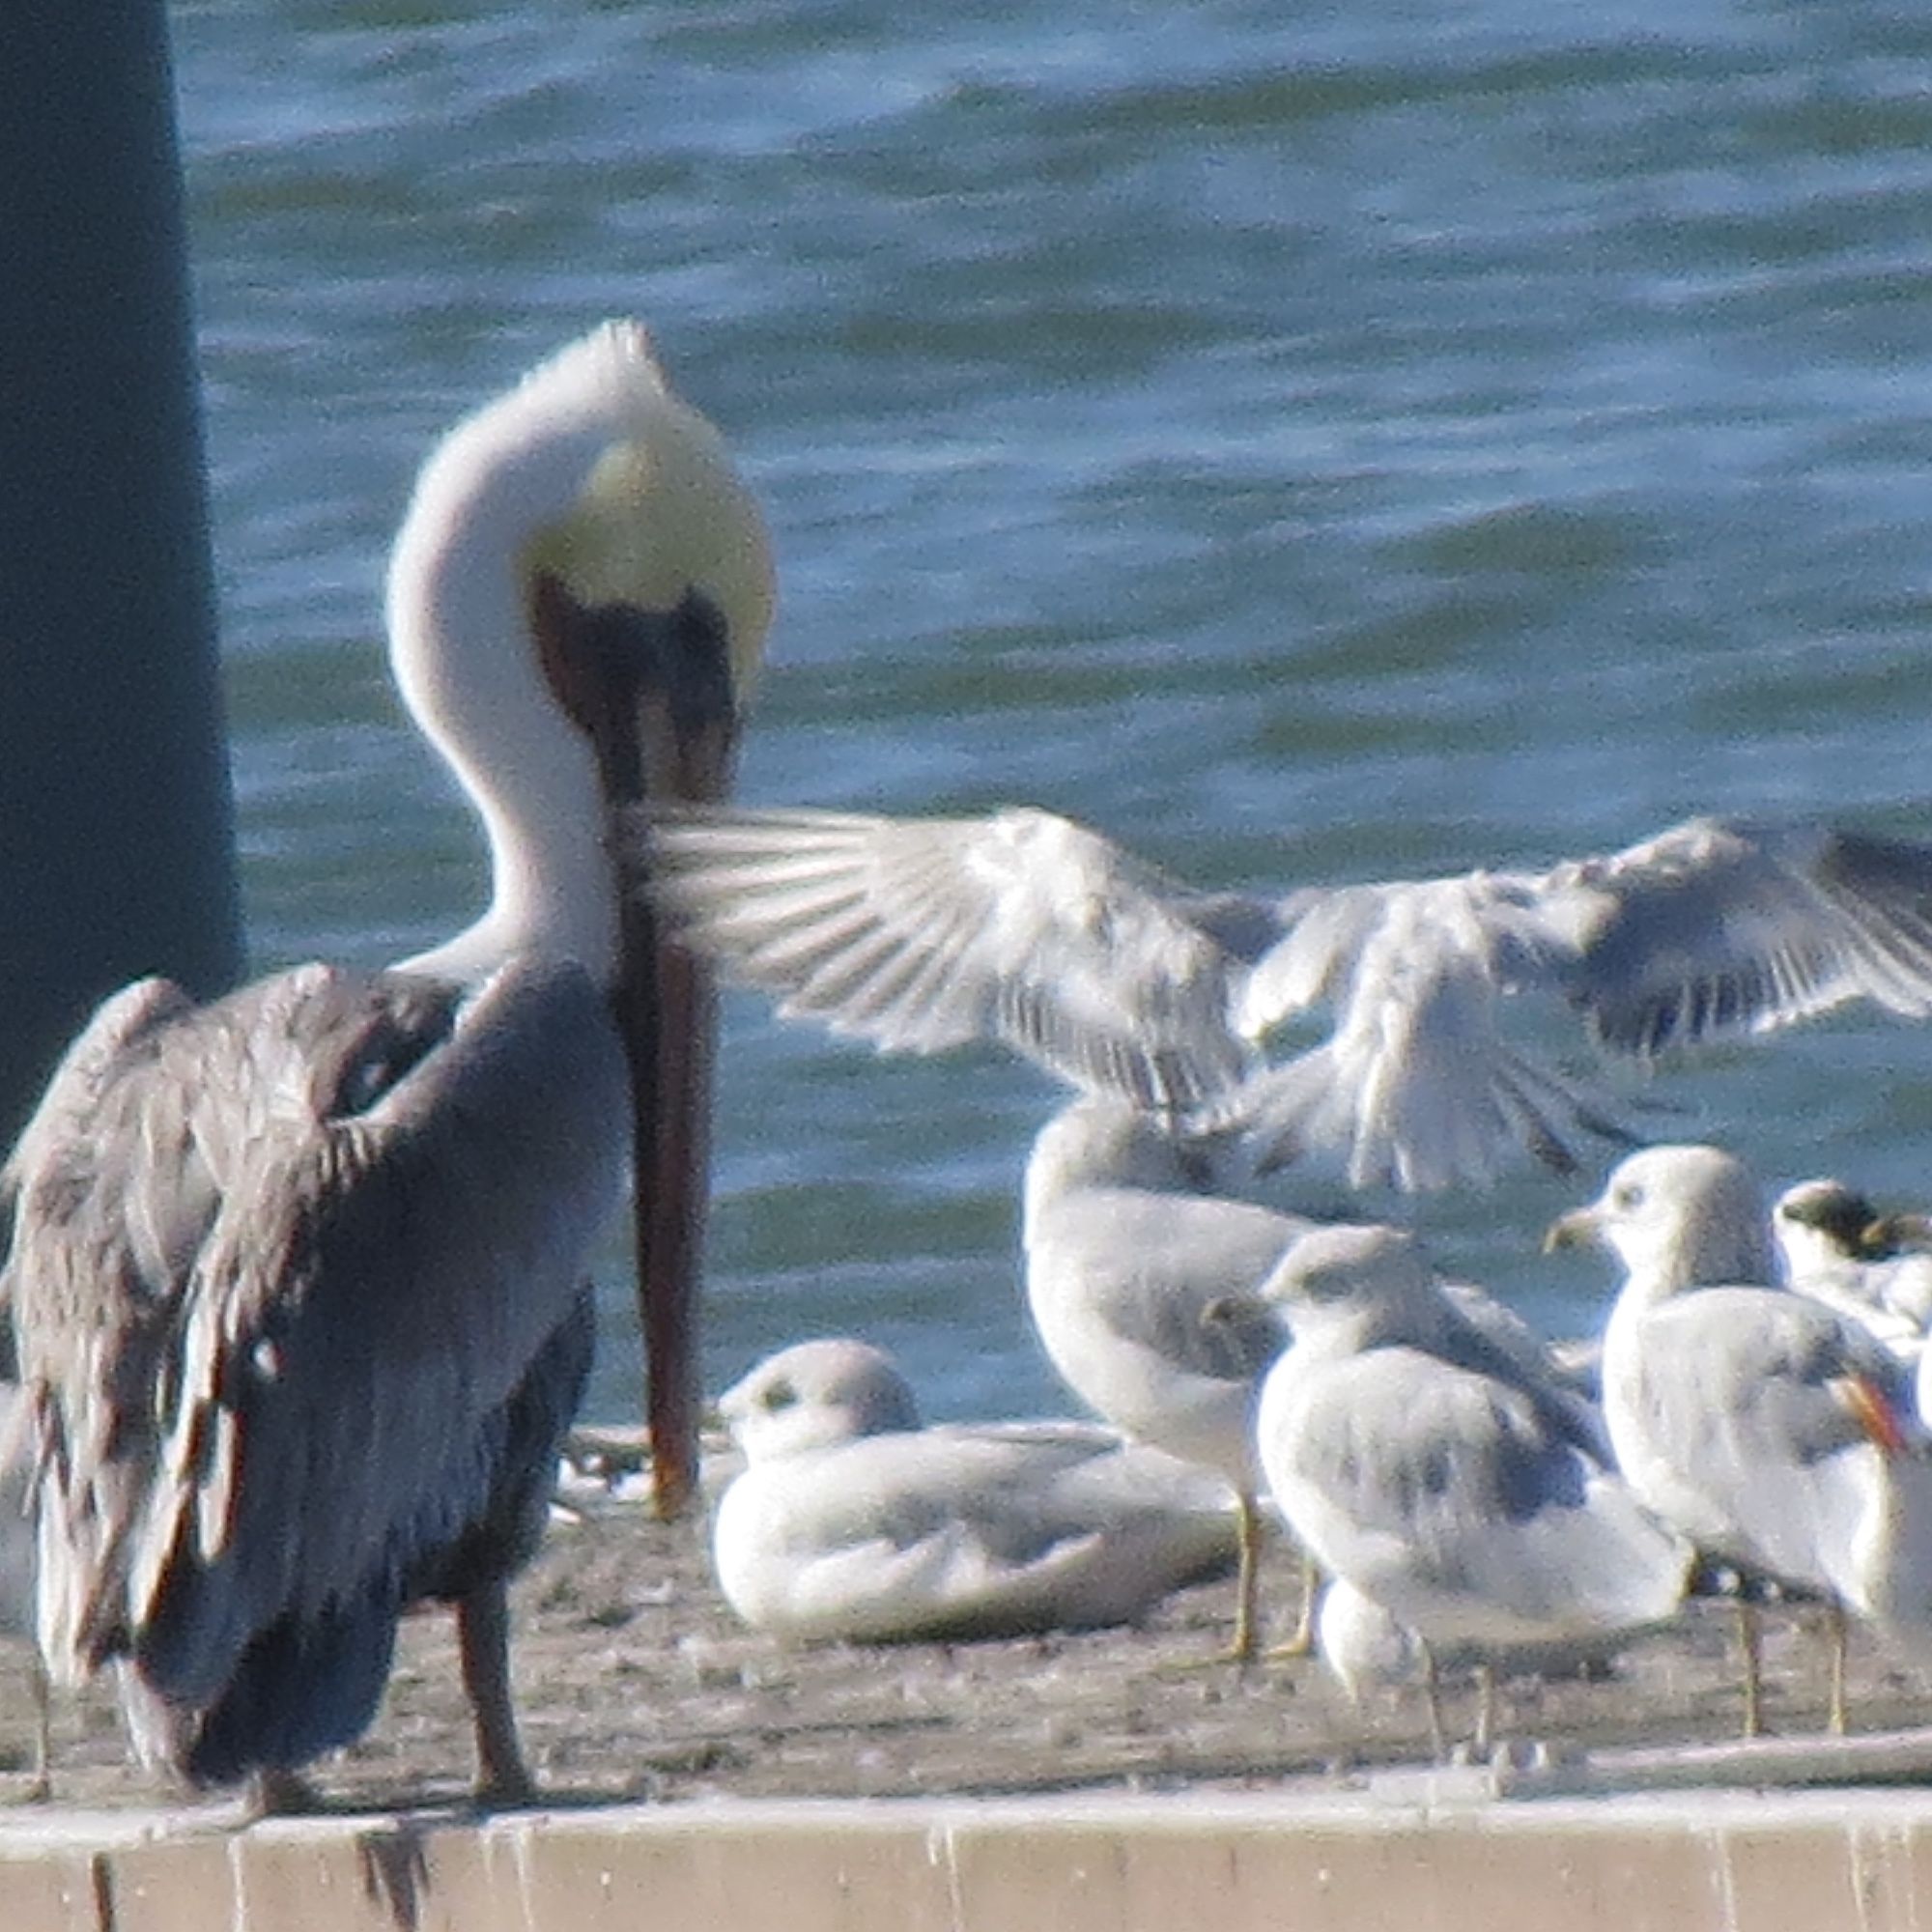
(299, 1277)
(17, 1574)
(1027, 928)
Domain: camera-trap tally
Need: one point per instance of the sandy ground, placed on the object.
(636, 1682)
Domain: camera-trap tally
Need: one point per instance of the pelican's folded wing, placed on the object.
(283, 1277)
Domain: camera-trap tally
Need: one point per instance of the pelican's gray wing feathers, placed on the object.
(280, 1267)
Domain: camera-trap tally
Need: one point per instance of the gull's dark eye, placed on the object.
(777, 1395)
(1628, 1196)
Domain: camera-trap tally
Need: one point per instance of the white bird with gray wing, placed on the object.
(1126, 1248)
(1839, 1249)
(1439, 1474)
(299, 1277)
(1774, 1433)
(1026, 928)
(850, 1522)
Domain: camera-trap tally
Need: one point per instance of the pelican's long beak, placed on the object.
(650, 610)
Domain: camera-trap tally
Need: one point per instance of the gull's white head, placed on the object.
(1678, 1217)
(1361, 1279)
(816, 1395)
(1102, 1141)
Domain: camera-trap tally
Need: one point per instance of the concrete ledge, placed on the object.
(1241, 1863)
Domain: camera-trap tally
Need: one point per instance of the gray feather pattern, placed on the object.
(281, 1268)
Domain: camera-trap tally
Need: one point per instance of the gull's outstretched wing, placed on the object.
(1710, 928)
(922, 934)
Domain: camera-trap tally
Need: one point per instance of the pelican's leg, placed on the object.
(1838, 1633)
(275, 1793)
(483, 1632)
(1432, 1684)
(1485, 1706)
(1751, 1657)
(42, 1787)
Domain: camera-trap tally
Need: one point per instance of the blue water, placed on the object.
(1308, 447)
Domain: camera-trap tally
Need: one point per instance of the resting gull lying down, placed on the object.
(1027, 928)
(1774, 1434)
(851, 1522)
(1434, 1473)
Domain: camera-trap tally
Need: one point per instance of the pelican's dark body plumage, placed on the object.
(299, 1277)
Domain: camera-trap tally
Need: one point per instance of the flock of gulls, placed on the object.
(298, 1279)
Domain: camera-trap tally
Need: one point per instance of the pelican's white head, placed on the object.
(578, 598)
(586, 515)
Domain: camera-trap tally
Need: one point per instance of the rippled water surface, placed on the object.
(1308, 442)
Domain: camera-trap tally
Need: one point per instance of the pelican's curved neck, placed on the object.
(468, 666)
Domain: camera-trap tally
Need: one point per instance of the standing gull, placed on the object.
(1125, 1251)
(1027, 928)
(1774, 1434)
(851, 1522)
(1428, 1469)
(1363, 1645)
(299, 1277)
